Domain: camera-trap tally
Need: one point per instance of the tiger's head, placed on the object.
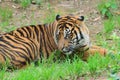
(71, 33)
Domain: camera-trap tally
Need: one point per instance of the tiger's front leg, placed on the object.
(93, 50)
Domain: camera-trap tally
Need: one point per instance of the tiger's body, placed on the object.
(31, 43)
(18, 51)
(27, 44)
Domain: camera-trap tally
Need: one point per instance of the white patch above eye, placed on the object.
(65, 33)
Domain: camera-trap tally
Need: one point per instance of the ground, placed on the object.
(35, 15)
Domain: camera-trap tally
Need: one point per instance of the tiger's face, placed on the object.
(71, 33)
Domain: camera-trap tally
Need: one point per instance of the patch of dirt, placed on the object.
(35, 15)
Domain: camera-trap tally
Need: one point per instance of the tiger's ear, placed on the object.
(58, 17)
(81, 18)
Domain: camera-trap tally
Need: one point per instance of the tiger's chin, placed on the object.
(68, 53)
(70, 50)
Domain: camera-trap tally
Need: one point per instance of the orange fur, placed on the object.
(93, 50)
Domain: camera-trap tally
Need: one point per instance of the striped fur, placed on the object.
(31, 43)
(18, 51)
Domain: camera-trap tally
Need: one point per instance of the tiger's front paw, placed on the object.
(93, 50)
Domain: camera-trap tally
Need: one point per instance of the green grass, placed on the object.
(5, 14)
(109, 25)
(117, 18)
(39, 2)
(25, 3)
(66, 69)
(50, 16)
(5, 27)
(107, 7)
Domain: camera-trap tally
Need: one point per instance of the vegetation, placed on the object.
(109, 23)
(106, 7)
(25, 3)
(72, 69)
(5, 14)
(50, 15)
(68, 69)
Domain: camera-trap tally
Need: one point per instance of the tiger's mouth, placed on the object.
(70, 50)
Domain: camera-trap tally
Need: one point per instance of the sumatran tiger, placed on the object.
(32, 43)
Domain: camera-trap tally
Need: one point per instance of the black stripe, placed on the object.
(23, 56)
(21, 33)
(49, 42)
(37, 33)
(4, 52)
(41, 53)
(4, 46)
(61, 25)
(12, 55)
(66, 27)
(6, 56)
(46, 48)
(33, 26)
(3, 56)
(34, 48)
(72, 29)
(80, 32)
(25, 31)
(41, 29)
(29, 30)
(6, 42)
(19, 47)
(81, 35)
(20, 62)
(41, 56)
(69, 24)
(76, 35)
(26, 47)
(9, 38)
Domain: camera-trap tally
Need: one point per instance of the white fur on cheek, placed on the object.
(85, 41)
(78, 34)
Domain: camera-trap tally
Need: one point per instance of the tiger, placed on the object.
(27, 44)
